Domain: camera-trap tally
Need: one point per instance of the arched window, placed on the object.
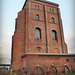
(38, 71)
(37, 33)
(66, 69)
(52, 20)
(38, 49)
(54, 36)
(37, 17)
(52, 70)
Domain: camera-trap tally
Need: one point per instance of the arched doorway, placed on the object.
(52, 70)
(66, 69)
(38, 71)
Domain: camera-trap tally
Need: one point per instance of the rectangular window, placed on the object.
(38, 7)
(50, 9)
(35, 6)
(67, 60)
(74, 60)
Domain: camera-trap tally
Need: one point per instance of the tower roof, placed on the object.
(43, 1)
(49, 2)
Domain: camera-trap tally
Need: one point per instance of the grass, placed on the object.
(20, 73)
(68, 74)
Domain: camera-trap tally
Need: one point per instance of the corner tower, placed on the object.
(38, 30)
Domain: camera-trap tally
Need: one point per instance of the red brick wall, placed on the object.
(32, 23)
(18, 41)
(45, 62)
(24, 36)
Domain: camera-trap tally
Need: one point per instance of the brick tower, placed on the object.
(38, 31)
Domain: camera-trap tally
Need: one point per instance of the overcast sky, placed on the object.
(9, 10)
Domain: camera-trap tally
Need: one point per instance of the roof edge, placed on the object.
(24, 4)
(42, 1)
(52, 54)
(5, 64)
(49, 2)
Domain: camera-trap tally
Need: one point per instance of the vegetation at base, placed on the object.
(66, 74)
(5, 72)
(69, 74)
(19, 72)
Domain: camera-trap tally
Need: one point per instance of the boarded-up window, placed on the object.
(37, 33)
(54, 36)
(52, 20)
(37, 17)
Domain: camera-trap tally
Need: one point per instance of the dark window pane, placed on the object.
(52, 20)
(38, 7)
(37, 33)
(37, 17)
(67, 60)
(52, 10)
(54, 37)
(38, 49)
(74, 60)
(35, 6)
